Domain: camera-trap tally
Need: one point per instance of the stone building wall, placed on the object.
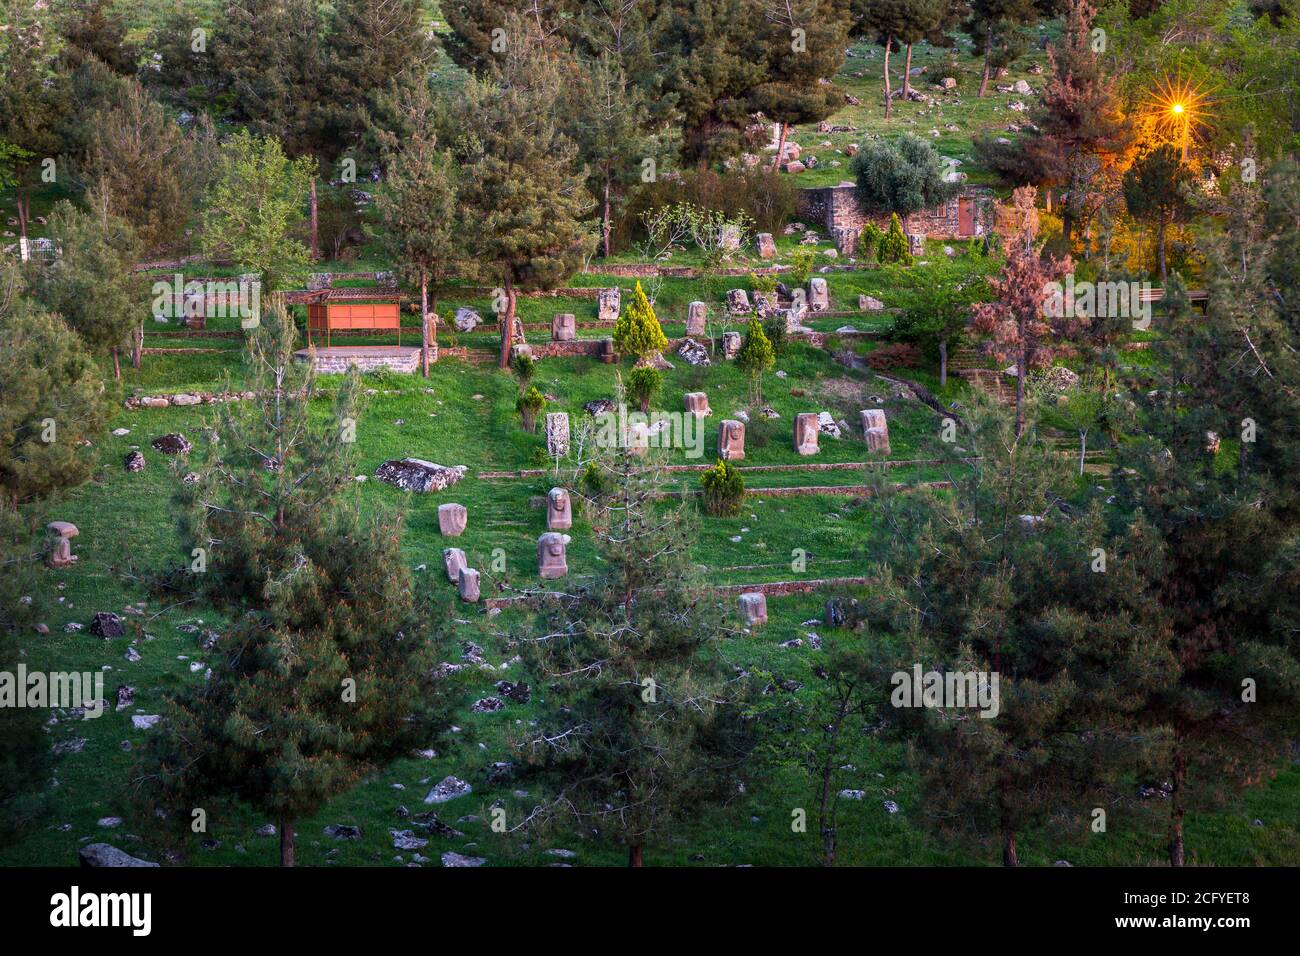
(832, 208)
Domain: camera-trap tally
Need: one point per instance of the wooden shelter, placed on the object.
(332, 310)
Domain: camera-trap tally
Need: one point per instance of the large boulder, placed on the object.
(467, 320)
(174, 444)
(693, 353)
(415, 474)
(104, 855)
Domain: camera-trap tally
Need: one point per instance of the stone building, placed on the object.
(834, 208)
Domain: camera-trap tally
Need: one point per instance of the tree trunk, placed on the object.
(988, 65)
(780, 147)
(117, 365)
(943, 363)
(315, 249)
(907, 73)
(24, 204)
(137, 345)
(1009, 855)
(1020, 385)
(507, 325)
(1177, 810)
(1083, 449)
(286, 842)
(889, 105)
(604, 223)
(424, 322)
(1067, 221)
(1164, 272)
(634, 857)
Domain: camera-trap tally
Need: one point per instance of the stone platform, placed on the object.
(338, 358)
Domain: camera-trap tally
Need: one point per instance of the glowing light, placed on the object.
(1177, 107)
(1178, 112)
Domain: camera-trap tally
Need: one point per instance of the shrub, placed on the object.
(529, 405)
(893, 244)
(755, 357)
(724, 490)
(643, 384)
(764, 197)
(593, 482)
(869, 241)
(524, 366)
(637, 332)
(774, 328)
(765, 283)
(801, 265)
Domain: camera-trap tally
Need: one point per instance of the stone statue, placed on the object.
(697, 403)
(564, 327)
(695, 316)
(731, 440)
(875, 430)
(61, 534)
(559, 510)
(551, 558)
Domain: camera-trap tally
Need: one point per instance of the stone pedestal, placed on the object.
(559, 510)
(696, 314)
(452, 519)
(60, 535)
(552, 559)
(469, 588)
(731, 440)
(697, 403)
(806, 429)
(753, 609)
(875, 430)
(564, 327)
(738, 302)
(557, 433)
(453, 562)
(766, 246)
(607, 353)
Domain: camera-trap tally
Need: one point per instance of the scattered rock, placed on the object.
(103, 855)
(134, 461)
(455, 859)
(107, 625)
(173, 444)
(415, 474)
(449, 788)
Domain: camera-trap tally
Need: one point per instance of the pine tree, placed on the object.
(995, 28)
(755, 357)
(643, 721)
(52, 398)
(1081, 136)
(419, 209)
(323, 676)
(1000, 579)
(1214, 472)
(91, 283)
(637, 331)
(894, 24)
(804, 43)
(1154, 192)
(523, 194)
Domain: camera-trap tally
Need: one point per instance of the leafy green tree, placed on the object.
(323, 675)
(254, 210)
(1154, 193)
(643, 722)
(1083, 407)
(903, 176)
(939, 316)
(92, 28)
(723, 490)
(419, 210)
(755, 357)
(90, 282)
(184, 71)
(522, 192)
(637, 331)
